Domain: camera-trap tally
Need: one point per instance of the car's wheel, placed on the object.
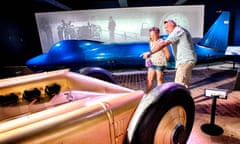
(164, 116)
(98, 73)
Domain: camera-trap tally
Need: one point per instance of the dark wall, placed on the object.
(212, 10)
(19, 39)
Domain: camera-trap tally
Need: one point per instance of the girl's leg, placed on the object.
(150, 78)
(159, 77)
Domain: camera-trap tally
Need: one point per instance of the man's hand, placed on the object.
(146, 54)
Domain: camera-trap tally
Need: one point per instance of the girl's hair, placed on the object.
(156, 29)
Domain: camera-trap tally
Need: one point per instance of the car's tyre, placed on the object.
(164, 116)
(98, 73)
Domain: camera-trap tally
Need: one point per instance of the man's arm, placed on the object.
(156, 48)
(160, 46)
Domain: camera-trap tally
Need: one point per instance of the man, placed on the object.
(183, 51)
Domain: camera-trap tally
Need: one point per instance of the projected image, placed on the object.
(115, 25)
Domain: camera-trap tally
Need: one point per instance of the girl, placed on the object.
(158, 60)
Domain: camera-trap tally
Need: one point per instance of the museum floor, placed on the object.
(227, 114)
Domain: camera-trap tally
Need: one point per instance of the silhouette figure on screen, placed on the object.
(60, 30)
(111, 28)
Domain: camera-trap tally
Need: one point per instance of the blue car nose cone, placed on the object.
(62, 54)
(37, 61)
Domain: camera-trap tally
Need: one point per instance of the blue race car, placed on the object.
(75, 54)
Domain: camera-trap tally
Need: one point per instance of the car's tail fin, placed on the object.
(217, 35)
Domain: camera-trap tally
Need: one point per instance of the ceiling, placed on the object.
(56, 5)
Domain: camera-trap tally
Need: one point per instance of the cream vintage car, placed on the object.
(65, 107)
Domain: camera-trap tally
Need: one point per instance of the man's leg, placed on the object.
(184, 74)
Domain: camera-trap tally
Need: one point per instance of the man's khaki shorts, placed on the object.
(184, 73)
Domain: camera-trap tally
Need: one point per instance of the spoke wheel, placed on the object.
(164, 116)
(171, 129)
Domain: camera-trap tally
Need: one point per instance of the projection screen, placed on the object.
(128, 24)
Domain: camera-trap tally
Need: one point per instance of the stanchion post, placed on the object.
(211, 128)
